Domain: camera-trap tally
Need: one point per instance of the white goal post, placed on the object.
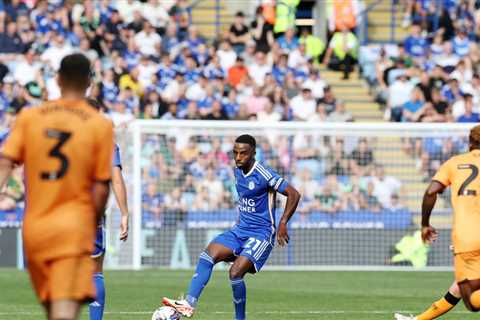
(361, 182)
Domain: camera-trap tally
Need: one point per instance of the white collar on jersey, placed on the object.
(251, 170)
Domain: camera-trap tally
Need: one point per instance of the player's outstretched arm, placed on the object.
(120, 192)
(429, 234)
(293, 197)
(6, 168)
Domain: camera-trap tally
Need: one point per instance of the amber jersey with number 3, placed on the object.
(65, 146)
(462, 174)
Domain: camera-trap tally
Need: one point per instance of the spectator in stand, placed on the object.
(154, 12)
(466, 110)
(399, 93)
(298, 58)
(313, 45)
(343, 46)
(416, 45)
(217, 112)
(148, 41)
(337, 161)
(152, 204)
(262, 32)
(340, 114)
(369, 201)
(226, 55)
(237, 73)
(320, 114)
(413, 109)
(384, 186)
(328, 100)
(316, 84)
(259, 69)
(452, 92)
(281, 103)
(269, 114)
(257, 102)
(303, 105)
(288, 41)
(361, 159)
(448, 60)
(27, 70)
(461, 43)
(55, 53)
(330, 198)
(239, 33)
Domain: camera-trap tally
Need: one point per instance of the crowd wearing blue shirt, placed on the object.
(137, 48)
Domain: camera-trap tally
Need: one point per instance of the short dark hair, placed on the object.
(248, 139)
(75, 69)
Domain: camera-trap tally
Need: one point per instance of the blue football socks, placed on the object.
(239, 297)
(200, 278)
(96, 307)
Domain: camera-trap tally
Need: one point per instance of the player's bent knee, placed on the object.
(236, 272)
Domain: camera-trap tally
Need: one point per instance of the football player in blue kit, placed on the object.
(96, 308)
(249, 243)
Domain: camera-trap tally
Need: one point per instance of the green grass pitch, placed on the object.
(271, 295)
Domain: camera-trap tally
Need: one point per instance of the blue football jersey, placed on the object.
(257, 196)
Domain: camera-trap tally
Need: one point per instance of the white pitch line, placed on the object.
(293, 312)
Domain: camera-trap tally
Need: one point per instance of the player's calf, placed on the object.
(238, 270)
(470, 294)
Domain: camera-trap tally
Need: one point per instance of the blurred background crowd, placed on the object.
(152, 62)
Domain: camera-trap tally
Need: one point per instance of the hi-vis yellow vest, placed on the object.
(285, 15)
(337, 45)
(314, 46)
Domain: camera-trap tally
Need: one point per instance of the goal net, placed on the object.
(361, 187)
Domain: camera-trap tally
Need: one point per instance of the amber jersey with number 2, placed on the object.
(65, 146)
(461, 173)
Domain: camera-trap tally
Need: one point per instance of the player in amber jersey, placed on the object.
(460, 173)
(66, 148)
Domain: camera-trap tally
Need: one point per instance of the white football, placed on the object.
(166, 313)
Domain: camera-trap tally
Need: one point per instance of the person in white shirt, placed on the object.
(126, 8)
(146, 70)
(298, 57)
(259, 69)
(303, 105)
(197, 91)
(55, 53)
(156, 14)
(226, 55)
(269, 114)
(148, 41)
(384, 186)
(316, 84)
(27, 70)
(398, 94)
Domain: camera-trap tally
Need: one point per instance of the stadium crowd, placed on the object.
(433, 76)
(150, 62)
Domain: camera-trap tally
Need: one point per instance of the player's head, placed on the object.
(74, 73)
(244, 151)
(475, 138)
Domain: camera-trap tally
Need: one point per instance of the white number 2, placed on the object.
(249, 243)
